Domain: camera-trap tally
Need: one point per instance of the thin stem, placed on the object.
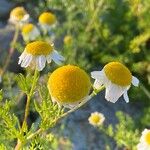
(95, 92)
(147, 93)
(34, 134)
(29, 95)
(11, 50)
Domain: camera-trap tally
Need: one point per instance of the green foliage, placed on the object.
(125, 133)
(48, 111)
(9, 124)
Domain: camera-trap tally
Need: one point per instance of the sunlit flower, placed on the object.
(116, 78)
(18, 15)
(96, 119)
(144, 141)
(69, 85)
(68, 39)
(30, 32)
(37, 53)
(47, 20)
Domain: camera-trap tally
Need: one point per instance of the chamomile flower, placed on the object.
(30, 32)
(47, 20)
(117, 79)
(18, 16)
(96, 119)
(69, 85)
(68, 39)
(37, 53)
(144, 141)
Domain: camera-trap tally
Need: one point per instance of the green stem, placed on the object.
(147, 93)
(11, 50)
(95, 92)
(29, 96)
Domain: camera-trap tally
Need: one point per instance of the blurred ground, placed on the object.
(86, 137)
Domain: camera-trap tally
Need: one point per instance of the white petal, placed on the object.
(126, 97)
(40, 62)
(26, 61)
(97, 84)
(143, 146)
(57, 58)
(48, 58)
(113, 92)
(22, 56)
(135, 81)
(96, 74)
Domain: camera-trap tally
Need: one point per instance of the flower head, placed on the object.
(68, 39)
(19, 15)
(46, 20)
(96, 119)
(37, 53)
(30, 32)
(69, 85)
(144, 141)
(116, 78)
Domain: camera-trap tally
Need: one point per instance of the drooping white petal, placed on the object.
(57, 58)
(22, 56)
(97, 75)
(126, 97)
(135, 81)
(26, 61)
(48, 58)
(98, 84)
(40, 62)
(113, 92)
(143, 146)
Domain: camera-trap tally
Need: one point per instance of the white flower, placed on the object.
(30, 32)
(37, 53)
(144, 141)
(47, 20)
(117, 80)
(19, 16)
(96, 119)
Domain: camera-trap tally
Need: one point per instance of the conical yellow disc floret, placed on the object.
(39, 48)
(69, 84)
(147, 138)
(27, 28)
(18, 13)
(47, 18)
(118, 73)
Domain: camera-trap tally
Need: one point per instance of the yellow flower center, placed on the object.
(27, 28)
(39, 48)
(47, 18)
(18, 13)
(147, 138)
(69, 84)
(95, 118)
(118, 74)
(68, 39)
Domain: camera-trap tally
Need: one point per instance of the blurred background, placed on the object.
(99, 31)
